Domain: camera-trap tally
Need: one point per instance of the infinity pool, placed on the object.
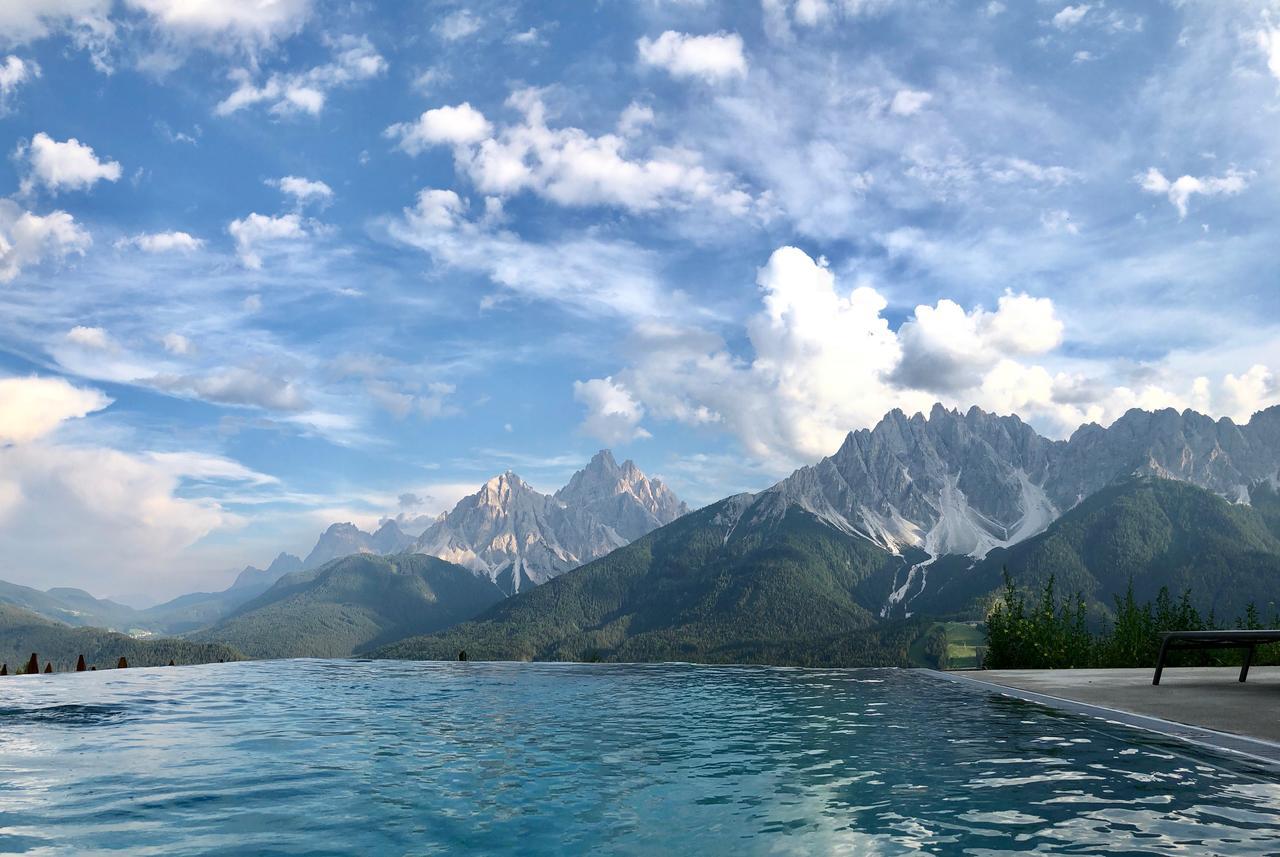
(342, 757)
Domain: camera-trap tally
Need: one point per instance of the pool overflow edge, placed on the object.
(1257, 750)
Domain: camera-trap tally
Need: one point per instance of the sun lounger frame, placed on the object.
(1190, 640)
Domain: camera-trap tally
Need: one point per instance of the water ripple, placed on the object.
(354, 757)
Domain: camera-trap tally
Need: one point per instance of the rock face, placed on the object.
(346, 538)
(954, 483)
(260, 579)
(621, 496)
(517, 536)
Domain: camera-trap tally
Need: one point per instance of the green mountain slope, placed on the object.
(696, 590)
(1156, 532)
(351, 604)
(72, 606)
(23, 632)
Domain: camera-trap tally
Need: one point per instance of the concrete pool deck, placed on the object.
(1205, 705)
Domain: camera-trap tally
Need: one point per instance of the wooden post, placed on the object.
(171, 663)
(4, 669)
(33, 665)
(48, 668)
(122, 663)
(80, 665)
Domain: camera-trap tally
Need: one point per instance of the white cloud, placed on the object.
(947, 350)
(714, 58)
(1251, 391)
(613, 414)
(585, 274)
(907, 102)
(303, 190)
(634, 118)
(248, 22)
(27, 238)
(780, 14)
(567, 165)
(457, 26)
(1182, 189)
(163, 242)
(255, 231)
(84, 21)
(14, 72)
(100, 517)
(32, 407)
(355, 60)
(1069, 16)
(824, 360)
(255, 387)
(176, 343)
(90, 337)
(70, 165)
(458, 125)
(1268, 40)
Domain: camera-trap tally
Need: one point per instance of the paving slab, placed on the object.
(1210, 701)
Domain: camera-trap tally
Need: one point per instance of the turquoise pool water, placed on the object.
(343, 757)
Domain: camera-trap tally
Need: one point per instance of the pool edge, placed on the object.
(1255, 749)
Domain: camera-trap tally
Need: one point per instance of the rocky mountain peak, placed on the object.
(518, 536)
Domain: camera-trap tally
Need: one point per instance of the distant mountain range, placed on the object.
(506, 532)
(918, 515)
(840, 562)
(352, 604)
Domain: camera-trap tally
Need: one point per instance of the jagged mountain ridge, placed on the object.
(954, 483)
(344, 539)
(517, 536)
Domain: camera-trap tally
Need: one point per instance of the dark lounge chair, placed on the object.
(1186, 640)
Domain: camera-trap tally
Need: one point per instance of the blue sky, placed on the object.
(268, 264)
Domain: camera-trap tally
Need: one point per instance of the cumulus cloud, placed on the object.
(303, 190)
(458, 125)
(568, 165)
(14, 72)
(97, 516)
(947, 350)
(354, 61)
(585, 274)
(1180, 190)
(1069, 16)
(249, 23)
(90, 337)
(907, 102)
(163, 242)
(713, 58)
(823, 360)
(1249, 392)
(69, 165)
(613, 415)
(32, 407)
(255, 232)
(27, 238)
